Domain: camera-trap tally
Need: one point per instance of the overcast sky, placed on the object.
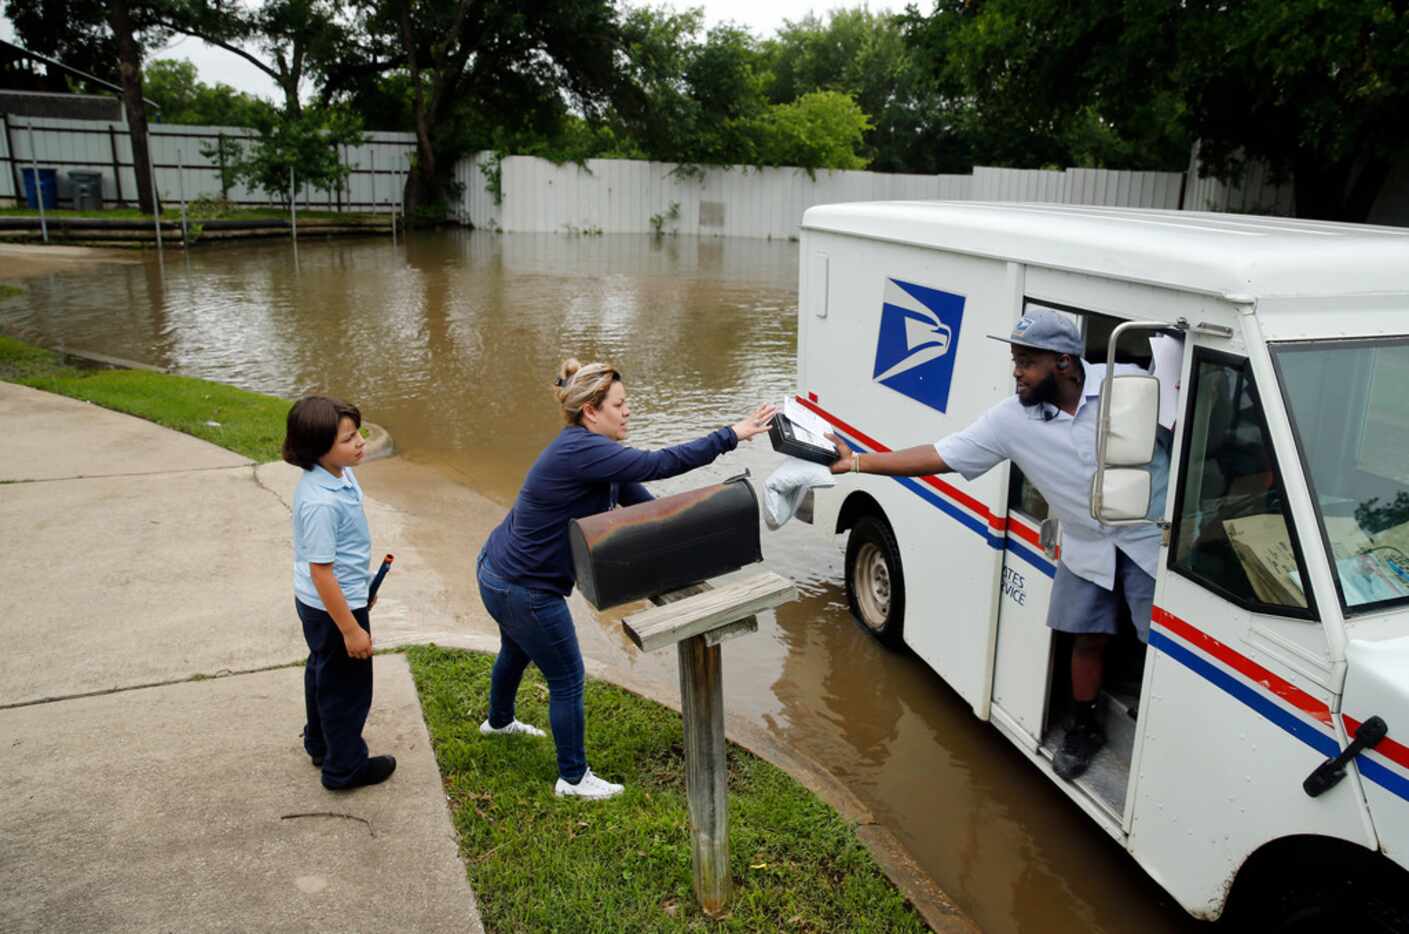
(761, 16)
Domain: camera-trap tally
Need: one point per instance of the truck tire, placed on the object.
(1318, 894)
(875, 582)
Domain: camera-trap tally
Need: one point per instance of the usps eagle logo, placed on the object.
(918, 341)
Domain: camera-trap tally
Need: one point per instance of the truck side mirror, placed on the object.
(1125, 446)
(1124, 494)
(1133, 417)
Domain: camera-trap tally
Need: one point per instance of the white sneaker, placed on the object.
(509, 729)
(589, 786)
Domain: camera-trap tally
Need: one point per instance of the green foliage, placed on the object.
(228, 153)
(247, 423)
(1317, 89)
(542, 863)
(306, 144)
(76, 32)
(1038, 82)
(865, 55)
(704, 98)
(669, 215)
(493, 171)
(820, 130)
(182, 98)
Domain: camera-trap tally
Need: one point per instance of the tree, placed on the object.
(509, 61)
(288, 40)
(1317, 89)
(1030, 83)
(76, 32)
(305, 144)
(129, 62)
(865, 55)
(822, 129)
(181, 97)
(104, 40)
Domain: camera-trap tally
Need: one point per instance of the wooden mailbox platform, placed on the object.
(696, 620)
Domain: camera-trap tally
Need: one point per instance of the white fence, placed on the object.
(185, 160)
(623, 195)
(610, 196)
(1080, 186)
(1255, 193)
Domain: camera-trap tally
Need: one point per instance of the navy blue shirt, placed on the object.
(582, 474)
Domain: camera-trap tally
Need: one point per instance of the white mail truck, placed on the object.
(1257, 762)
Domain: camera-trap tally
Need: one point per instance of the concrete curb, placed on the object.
(379, 443)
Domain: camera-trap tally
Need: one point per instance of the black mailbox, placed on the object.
(653, 548)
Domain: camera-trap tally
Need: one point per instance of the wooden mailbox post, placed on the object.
(696, 620)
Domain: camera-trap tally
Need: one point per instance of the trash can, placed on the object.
(668, 543)
(87, 190)
(48, 187)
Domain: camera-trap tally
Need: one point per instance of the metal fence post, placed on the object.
(156, 194)
(181, 196)
(117, 169)
(38, 188)
(293, 205)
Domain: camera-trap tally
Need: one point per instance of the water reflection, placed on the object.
(451, 340)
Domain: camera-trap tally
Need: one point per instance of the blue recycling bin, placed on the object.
(48, 187)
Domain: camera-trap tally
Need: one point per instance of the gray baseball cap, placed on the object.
(1045, 329)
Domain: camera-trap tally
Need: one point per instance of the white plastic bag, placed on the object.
(786, 486)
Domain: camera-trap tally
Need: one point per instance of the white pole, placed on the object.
(181, 195)
(374, 178)
(293, 205)
(156, 196)
(38, 188)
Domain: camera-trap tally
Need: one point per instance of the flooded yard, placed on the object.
(451, 340)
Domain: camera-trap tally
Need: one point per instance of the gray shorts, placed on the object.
(1081, 607)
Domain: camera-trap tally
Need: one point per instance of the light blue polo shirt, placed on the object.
(329, 526)
(1057, 453)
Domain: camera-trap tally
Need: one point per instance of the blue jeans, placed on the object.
(535, 625)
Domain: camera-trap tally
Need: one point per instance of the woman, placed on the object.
(525, 568)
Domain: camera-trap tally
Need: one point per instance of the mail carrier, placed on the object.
(1257, 754)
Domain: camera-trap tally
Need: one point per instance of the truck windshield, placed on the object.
(1349, 402)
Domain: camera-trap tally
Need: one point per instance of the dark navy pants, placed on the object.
(535, 625)
(337, 694)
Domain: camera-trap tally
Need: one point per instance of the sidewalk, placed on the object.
(143, 792)
(155, 776)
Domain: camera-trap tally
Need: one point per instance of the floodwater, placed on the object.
(451, 340)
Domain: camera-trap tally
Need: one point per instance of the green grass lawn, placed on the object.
(247, 423)
(541, 863)
(9, 291)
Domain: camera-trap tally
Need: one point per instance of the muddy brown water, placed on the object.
(450, 341)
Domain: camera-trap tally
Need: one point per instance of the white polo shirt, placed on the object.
(1057, 453)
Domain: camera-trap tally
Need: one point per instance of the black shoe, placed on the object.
(377, 770)
(1080, 745)
(317, 761)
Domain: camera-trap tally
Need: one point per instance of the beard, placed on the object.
(1045, 391)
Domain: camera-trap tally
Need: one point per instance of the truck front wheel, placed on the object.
(875, 583)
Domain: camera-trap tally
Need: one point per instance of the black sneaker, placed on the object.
(1079, 746)
(377, 770)
(317, 761)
